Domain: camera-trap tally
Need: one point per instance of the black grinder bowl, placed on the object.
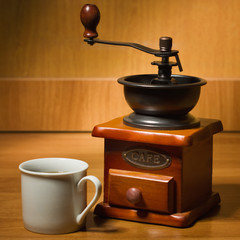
(159, 101)
(161, 106)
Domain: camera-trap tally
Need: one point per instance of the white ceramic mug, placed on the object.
(54, 194)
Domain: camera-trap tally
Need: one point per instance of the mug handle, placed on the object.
(98, 187)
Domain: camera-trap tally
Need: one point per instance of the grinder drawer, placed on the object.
(141, 190)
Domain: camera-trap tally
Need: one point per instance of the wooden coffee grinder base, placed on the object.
(157, 176)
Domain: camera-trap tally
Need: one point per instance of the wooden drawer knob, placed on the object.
(134, 195)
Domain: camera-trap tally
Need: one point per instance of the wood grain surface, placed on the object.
(221, 223)
(79, 104)
(43, 40)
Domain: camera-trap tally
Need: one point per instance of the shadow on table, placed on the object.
(230, 195)
(99, 224)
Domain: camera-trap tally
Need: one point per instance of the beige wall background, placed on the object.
(50, 80)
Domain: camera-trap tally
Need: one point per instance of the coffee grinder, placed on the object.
(158, 159)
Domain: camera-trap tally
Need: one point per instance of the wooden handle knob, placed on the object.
(90, 16)
(134, 195)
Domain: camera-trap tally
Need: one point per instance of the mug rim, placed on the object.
(30, 172)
